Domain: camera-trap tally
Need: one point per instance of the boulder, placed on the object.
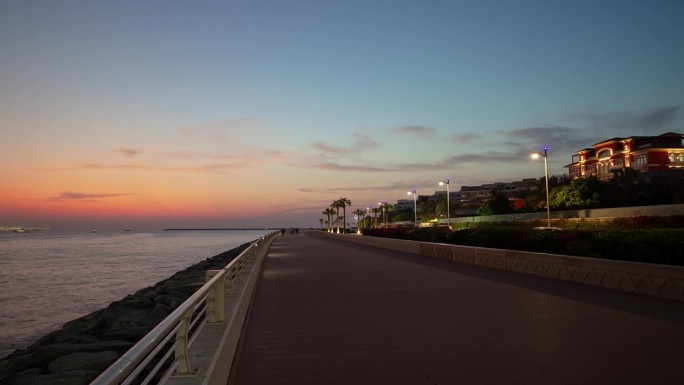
(96, 361)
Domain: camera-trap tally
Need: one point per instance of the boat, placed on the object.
(21, 231)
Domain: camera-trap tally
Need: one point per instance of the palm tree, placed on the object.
(386, 207)
(329, 212)
(344, 203)
(321, 220)
(374, 210)
(358, 213)
(336, 205)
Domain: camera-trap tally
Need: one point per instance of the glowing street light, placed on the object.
(536, 155)
(415, 207)
(442, 183)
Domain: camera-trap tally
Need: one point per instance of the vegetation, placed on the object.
(497, 204)
(658, 239)
(627, 187)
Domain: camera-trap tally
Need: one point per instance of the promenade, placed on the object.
(330, 312)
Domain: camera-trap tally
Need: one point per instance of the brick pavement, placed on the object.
(329, 312)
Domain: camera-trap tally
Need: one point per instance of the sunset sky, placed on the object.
(154, 114)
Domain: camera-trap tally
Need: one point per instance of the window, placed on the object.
(618, 163)
(603, 154)
(641, 160)
(672, 158)
(681, 158)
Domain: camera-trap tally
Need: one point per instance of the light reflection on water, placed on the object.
(49, 278)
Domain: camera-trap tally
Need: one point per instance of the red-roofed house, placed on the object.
(643, 153)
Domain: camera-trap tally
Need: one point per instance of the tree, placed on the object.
(426, 207)
(579, 194)
(359, 215)
(336, 206)
(496, 205)
(442, 207)
(321, 220)
(329, 212)
(403, 216)
(344, 203)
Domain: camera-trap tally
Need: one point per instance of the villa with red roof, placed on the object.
(643, 153)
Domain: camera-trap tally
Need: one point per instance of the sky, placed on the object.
(158, 114)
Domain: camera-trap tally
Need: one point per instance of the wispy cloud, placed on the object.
(464, 137)
(220, 130)
(342, 167)
(627, 122)
(442, 164)
(83, 197)
(416, 130)
(360, 142)
(555, 137)
(128, 152)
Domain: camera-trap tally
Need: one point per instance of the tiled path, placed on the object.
(329, 312)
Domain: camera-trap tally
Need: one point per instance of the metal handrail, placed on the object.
(138, 357)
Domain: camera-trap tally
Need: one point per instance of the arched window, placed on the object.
(603, 154)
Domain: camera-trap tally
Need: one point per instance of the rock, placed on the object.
(70, 378)
(50, 352)
(97, 361)
(84, 347)
(131, 334)
(32, 372)
(74, 338)
(17, 363)
(120, 347)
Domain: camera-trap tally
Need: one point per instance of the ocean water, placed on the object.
(49, 278)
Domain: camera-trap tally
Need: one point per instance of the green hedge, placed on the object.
(661, 246)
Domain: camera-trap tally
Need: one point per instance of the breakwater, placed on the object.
(84, 347)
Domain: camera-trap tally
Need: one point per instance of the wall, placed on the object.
(641, 278)
(662, 210)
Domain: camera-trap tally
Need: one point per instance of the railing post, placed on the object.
(215, 297)
(182, 342)
(230, 278)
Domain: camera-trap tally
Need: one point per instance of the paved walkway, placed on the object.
(329, 312)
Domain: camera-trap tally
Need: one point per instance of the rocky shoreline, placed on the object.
(84, 347)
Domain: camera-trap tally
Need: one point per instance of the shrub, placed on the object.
(663, 246)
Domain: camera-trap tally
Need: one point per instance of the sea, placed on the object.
(48, 278)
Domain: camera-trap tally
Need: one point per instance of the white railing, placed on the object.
(163, 352)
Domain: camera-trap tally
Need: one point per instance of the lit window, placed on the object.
(672, 158)
(641, 160)
(681, 158)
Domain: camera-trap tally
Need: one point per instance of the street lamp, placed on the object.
(383, 213)
(442, 183)
(536, 155)
(415, 207)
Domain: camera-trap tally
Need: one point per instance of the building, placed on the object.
(403, 204)
(643, 153)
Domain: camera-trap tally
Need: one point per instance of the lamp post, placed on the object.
(536, 155)
(415, 207)
(442, 183)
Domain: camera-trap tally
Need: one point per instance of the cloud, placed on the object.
(355, 168)
(225, 163)
(129, 152)
(219, 130)
(417, 130)
(443, 164)
(653, 121)
(658, 118)
(555, 137)
(360, 142)
(463, 138)
(83, 197)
